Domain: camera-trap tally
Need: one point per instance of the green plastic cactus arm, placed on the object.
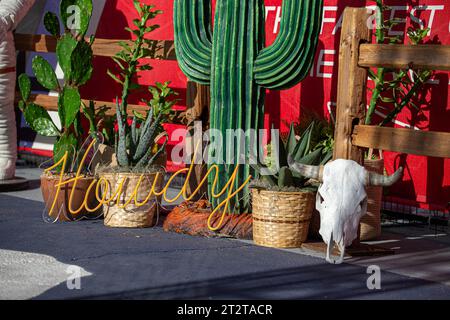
(288, 61)
(192, 26)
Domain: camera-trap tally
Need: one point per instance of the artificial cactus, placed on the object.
(135, 143)
(233, 60)
(74, 55)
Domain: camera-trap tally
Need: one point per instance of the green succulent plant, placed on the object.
(136, 147)
(303, 150)
(74, 55)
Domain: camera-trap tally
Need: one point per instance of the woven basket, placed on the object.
(131, 216)
(371, 222)
(281, 219)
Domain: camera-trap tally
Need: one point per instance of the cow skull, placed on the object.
(342, 199)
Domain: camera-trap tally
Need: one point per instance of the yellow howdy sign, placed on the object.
(98, 183)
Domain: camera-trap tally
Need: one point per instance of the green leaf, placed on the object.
(120, 64)
(114, 77)
(24, 86)
(285, 178)
(134, 86)
(71, 21)
(125, 46)
(39, 120)
(328, 156)
(70, 102)
(44, 73)
(21, 105)
(139, 115)
(66, 143)
(292, 140)
(51, 24)
(312, 158)
(145, 67)
(81, 63)
(64, 50)
(304, 145)
(137, 5)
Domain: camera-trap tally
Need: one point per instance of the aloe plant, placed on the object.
(305, 150)
(135, 142)
(74, 55)
(233, 60)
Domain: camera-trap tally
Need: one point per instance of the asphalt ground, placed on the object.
(39, 260)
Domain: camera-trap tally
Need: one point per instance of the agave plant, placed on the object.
(304, 150)
(74, 55)
(136, 145)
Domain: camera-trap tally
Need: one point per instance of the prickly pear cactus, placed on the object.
(74, 56)
(233, 60)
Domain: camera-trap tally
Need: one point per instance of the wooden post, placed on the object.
(197, 102)
(352, 80)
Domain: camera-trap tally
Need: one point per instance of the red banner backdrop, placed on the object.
(427, 180)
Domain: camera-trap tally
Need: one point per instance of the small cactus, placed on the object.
(74, 56)
(135, 143)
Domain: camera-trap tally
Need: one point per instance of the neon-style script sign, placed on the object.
(98, 184)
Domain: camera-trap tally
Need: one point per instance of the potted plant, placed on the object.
(323, 138)
(74, 55)
(391, 88)
(283, 201)
(137, 151)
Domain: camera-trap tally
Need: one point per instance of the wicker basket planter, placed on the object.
(131, 216)
(371, 222)
(281, 219)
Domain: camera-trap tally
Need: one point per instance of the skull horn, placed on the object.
(312, 172)
(375, 179)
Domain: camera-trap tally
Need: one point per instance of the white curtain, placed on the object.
(11, 13)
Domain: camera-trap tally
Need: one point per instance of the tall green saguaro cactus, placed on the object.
(234, 61)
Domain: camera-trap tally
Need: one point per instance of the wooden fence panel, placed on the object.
(424, 143)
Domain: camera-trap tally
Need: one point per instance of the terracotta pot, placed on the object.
(371, 222)
(132, 216)
(61, 211)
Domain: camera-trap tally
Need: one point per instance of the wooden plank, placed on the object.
(197, 110)
(352, 79)
(424, 143)
(434, 57)
(359, 250)
(51, 103)
(162, 49)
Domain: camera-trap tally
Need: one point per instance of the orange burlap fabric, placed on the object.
(192, 218)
